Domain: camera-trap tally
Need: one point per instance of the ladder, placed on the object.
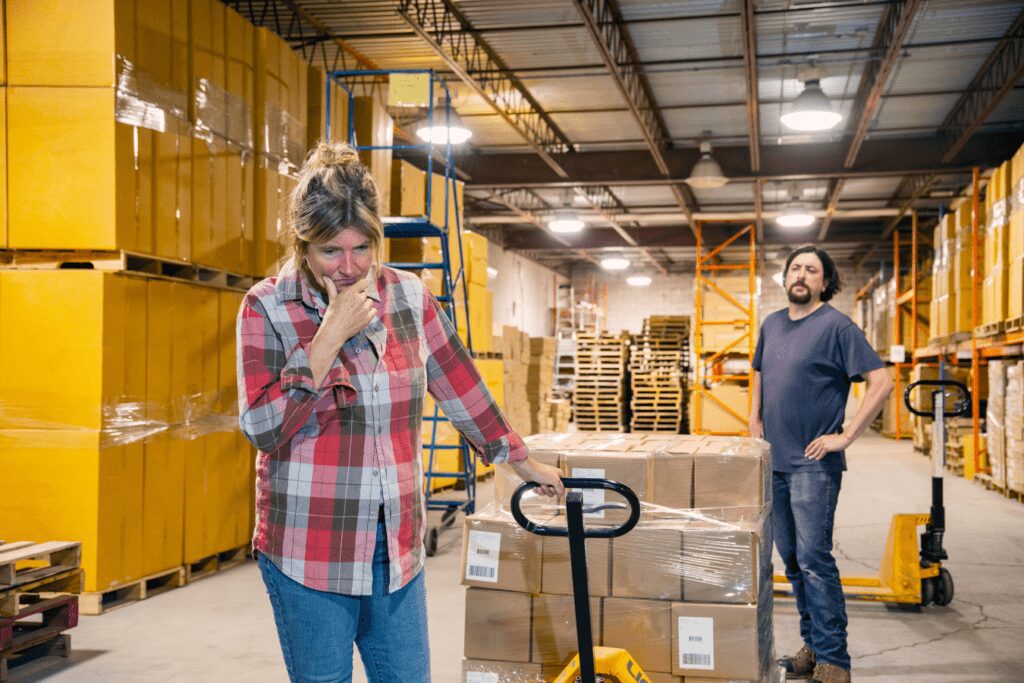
(565, 342)
(420, 227)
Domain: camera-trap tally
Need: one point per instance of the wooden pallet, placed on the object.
(217, 562)
(1014, 324)
(127, 261)
(101, 602)
(39, 630)
(39, 560)
(989, 330)
(14, 600)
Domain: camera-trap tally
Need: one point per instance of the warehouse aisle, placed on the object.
(221, 628)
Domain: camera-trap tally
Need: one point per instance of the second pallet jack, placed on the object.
(591, 663)
(910, 574)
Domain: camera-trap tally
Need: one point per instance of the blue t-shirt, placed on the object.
(806, 369)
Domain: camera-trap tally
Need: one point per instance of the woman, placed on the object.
(335, 356)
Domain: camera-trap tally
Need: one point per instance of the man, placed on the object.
(807, 356)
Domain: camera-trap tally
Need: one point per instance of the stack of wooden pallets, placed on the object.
(598, 400)
(659, 361)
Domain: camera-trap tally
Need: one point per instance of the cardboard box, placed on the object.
(626, 468)
(86, 492)
(729, 480)
(499, 554)
(554, 628)
(712, 417)
(498, 625)
(373, 127)
(646, 563)
(557, 568)
(408, 189)
(720, 564)
(3, 168)
(670, 479)
(719, 641)
(474, 247)
(641, 627)
(480, 671)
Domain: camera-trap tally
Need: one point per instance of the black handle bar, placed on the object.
(592, 532)
(961, 407)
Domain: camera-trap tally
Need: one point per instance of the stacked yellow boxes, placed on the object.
(963, 267)
(3, 133)
(481, 298)
(238, 143)
(109, 399)
(281, 83)
(997, 258)
(942, 306)
(322, 124)
(97, 97)
(1015, 244)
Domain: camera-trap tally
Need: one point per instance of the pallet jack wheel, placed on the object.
(944, 588)
(431, 541)
(927, 592)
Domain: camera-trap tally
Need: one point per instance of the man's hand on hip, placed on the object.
(756, 427)
(825, 444)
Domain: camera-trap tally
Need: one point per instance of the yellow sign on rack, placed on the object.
(409, 90)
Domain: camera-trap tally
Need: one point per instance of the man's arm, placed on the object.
(754, 423)
(880, 385)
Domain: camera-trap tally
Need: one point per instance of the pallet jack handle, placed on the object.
(931, 540)
(577, 535)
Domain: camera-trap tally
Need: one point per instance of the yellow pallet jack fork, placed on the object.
(590, 664)
(908, 574)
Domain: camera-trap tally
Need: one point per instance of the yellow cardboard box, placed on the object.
(408, 190)
(712, 417)
(373, 127)
(3, 168)
(475, 247)
(72, 486)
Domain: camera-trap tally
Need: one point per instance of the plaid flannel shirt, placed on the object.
(330, 455)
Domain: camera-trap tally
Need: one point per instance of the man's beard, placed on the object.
(804, 297)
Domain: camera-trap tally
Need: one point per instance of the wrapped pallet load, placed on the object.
(687, 592)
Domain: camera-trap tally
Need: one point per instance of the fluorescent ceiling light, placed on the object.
(811, 110)
(614, 263)
(706, 173)
(638, 280)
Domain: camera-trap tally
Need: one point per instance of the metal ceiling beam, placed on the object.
(748, 25)
(447, 31)
(604, 23)
(892, 30)
(526, 204)
(996, 77)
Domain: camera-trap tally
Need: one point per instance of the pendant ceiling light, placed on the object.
(638, 280)
(616, 262)
(812, 110)
(706, 173)
(439, 133)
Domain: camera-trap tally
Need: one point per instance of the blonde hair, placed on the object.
(335, 191)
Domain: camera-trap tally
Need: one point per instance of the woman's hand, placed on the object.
(348, 312)
(547, 478)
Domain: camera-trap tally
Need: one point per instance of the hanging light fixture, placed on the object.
(706, 173)
(812, 110)
(794, 215)
(638, 280)
(615, 262)
(565, 219)
(440, 132)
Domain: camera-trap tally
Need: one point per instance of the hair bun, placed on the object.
(325, 154)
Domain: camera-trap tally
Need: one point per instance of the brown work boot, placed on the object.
(800, 665)
(830, 673)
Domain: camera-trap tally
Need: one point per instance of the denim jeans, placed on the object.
(317, 628)
(803, 513)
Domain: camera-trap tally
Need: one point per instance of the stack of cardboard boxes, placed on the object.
(687, 592)
(997, 246)
(1015, 427)
(942, 309)
(1015, 244)
(995, 421)
(515, 352)
(540, 377)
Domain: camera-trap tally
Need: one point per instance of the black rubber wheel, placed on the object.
(927, 592)
(944, 588)
(431, 541)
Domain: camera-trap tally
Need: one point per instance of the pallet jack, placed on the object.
(589, 661)
(912, 575)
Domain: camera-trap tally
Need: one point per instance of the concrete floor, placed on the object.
(221, 628)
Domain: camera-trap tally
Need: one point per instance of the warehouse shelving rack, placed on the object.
(707, 366)
(453, 280)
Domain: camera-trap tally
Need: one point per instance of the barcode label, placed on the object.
(482, 554)
(696, 643)
(591, 496)
(481, 677)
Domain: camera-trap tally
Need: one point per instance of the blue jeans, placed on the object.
(317, 628)
(803, 513)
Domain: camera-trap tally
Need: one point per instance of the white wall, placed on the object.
(628, 306)
(524, 292)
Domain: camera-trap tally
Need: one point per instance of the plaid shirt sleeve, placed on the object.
(456, 385)
(276, 390)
